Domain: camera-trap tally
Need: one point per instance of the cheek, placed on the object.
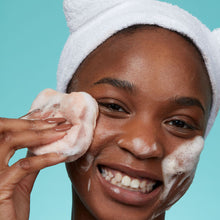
(82, 169)
(80, 175)
(179, 169)
(106, 134)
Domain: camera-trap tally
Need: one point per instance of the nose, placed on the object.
(140, 139)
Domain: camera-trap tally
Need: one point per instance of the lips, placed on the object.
(129, 186)
(126, 181)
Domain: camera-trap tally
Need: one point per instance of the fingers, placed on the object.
(32, 134)
(16, 181)
(35, 112)
(11, 176)
(33, 138)
(39, 114)
(14, 125)
(26, 139)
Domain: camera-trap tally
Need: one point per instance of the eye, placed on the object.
(113, 107)
(180, 124)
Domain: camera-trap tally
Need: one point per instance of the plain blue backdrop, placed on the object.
(32, 35)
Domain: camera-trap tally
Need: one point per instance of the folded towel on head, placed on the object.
(91, 22)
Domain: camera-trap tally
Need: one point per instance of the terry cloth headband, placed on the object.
(91, 22)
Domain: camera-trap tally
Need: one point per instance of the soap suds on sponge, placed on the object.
(79, 109)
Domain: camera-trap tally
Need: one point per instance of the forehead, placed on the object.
(156, 60)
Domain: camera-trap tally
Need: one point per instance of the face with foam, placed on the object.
(154, 98)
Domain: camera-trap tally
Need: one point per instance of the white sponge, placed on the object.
(79, 109)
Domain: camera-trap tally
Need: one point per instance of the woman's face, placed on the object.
(154, 99)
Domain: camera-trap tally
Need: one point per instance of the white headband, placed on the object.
(91, 22)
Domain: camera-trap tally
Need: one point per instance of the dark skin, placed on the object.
(151, 85)
(154, 95)
(16, 181)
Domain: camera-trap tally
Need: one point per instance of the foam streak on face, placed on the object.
(88, 162)
(182, 162)
(140, 146)
(178, 172)
(89, 184)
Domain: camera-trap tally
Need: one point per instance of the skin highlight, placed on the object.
(151, 85)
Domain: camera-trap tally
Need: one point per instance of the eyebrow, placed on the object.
(126, 85)
(118, 83)
(188, 101)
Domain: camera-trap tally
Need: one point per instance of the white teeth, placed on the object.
(107, 174)
(108, 178)
(119, 184)
(150, 186)
(143, 184)
(114, 181)
(118, 177)
(130, 183)
(126, 180)
(110, 174)
(135, 183)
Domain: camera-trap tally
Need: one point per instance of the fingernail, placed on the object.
(55, 120)
(63, 127)
(29, 113)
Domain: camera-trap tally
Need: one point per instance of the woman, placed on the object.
(157, 98)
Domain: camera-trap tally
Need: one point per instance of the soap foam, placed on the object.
(178, 172)
(116, 190)
(79, 108)
(140, 146)
(182, 161)
(88, 162)
(89, 184)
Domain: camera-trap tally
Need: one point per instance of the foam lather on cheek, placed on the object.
(79, 109)
(182, 161)
(88, 162)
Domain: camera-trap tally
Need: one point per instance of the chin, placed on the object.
(101, 199)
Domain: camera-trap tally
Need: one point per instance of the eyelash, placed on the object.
(175, 125)
(113, 107)
(181, 124)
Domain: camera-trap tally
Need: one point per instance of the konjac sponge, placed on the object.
(79, 109)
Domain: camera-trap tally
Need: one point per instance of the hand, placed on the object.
(16, 181)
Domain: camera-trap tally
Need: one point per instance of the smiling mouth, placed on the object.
(125, 181)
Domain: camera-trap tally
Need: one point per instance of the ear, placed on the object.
(78, 12)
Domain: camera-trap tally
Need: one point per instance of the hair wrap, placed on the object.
(91, 22)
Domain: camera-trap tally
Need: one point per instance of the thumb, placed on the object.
(28, 181)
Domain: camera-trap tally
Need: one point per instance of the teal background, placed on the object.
(32, 35)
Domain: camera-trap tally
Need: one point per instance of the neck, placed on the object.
(79, 211)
